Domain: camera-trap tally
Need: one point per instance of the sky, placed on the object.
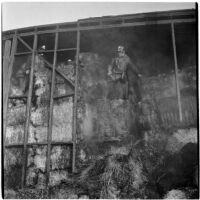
(25, 14)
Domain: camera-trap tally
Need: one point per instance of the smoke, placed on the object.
(149, 47)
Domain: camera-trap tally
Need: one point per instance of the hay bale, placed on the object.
(30, 157)
(40, 158)
(12, 157)
(15, 91)
(175, 194)
(57, 176)
(60, 157)
(14, 134)
(84, 197)
(180, 138)
(62, 120)
(41, 184)
(10, 194)
(31, 176)
(36, 163)
(16, 114)
(39, 117)
(13, 167)
(37, 134)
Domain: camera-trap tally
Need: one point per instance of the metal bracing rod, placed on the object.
(7, 88)
(57, 70)
(75, 103)
(176, 72)
(28, 112)
(24, 43)
(49, 136)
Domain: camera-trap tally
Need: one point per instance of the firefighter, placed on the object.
(23, 76)
(124, 71)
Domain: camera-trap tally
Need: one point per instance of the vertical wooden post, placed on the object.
(6, 81)
(49, 136)
(176, 72)
(28, 112)
(6, 77)
(6, 58)
(75, 100)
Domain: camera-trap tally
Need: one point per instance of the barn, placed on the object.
(61, 110)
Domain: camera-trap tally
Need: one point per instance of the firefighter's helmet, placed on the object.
(120, 48)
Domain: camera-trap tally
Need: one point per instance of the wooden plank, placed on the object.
(176, 72)
(64, 95)
(23, 53)
(7, 85)
(37, 144)
(17, 97)
(28, 112)
(75, 103)
(49, 136)
(66, 49)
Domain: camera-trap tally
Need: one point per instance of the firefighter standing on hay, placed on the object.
(123, 71)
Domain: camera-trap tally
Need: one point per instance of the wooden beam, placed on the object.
(18, 97)
(64, 95)
(28, 112)
(75, 104)
(150, 22)
(6, 87)
(6, 80)
(6, 59)
(23, 53)
(145, 23)
(49, 136)
(37, 144)
(48, 51)
(176, 72)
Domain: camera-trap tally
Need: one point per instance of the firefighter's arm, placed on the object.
(135, 68)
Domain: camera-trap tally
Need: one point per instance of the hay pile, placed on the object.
(116, 176)
(144, 172)
(15, 121)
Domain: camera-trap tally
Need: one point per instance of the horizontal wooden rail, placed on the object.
(64, 95)
(38, 144)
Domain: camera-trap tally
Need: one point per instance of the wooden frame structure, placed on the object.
(170, 17)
